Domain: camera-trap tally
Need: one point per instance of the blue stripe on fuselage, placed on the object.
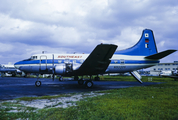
(58, 61)
(49, 61)
(133, 62)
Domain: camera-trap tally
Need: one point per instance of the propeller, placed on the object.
(53, 70)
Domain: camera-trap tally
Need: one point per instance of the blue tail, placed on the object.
(145, 47)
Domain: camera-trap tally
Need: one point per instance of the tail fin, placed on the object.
(145, 47)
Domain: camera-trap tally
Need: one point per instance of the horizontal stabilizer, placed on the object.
(160, 55)
(137, 76)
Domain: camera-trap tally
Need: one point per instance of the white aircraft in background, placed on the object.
(170, 74)
(165, 73)
(103, 59)
(9, 69)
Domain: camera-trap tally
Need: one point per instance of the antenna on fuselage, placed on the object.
(43, 52)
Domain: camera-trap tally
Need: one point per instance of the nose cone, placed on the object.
(17, 65)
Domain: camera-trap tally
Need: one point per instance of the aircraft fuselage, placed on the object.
(43, 63)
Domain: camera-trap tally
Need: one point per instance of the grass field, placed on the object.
(151, 102)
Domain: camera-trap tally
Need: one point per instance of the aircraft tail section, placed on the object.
(145, 47)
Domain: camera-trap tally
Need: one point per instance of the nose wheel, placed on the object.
(38, 83)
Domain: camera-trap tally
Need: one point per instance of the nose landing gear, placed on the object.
(38, 83)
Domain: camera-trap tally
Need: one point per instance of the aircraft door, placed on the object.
(43, 63)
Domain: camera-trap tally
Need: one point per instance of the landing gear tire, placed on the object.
(60, 79)
(38, 83)
(89, 84)
(80, 82)
(13, 75)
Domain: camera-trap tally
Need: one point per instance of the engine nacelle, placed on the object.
(60, 69)
(66, 68)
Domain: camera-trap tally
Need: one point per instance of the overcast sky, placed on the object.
(29, 27)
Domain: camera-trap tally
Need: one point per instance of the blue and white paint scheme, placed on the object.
(142, 55)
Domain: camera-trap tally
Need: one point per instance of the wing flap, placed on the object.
(160, 55)
(98, 61)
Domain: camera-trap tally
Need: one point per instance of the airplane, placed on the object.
(103, 59)
(171, 74)
(9, 69)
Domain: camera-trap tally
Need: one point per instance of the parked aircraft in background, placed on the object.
(9, 69)
(103, 59)
(170, 74)
(165, 73)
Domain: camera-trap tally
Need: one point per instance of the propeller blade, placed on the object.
(53, 77)
(53, 68)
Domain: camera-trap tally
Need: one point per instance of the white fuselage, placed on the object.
(119, 63)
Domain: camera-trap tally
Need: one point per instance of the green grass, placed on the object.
(152, 102)
(130, 78)
(23, 111)
(156, 102)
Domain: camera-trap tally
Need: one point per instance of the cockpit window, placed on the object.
(34, 57)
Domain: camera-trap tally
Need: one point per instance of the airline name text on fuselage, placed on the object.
(73, 56)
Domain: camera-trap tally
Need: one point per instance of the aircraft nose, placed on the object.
(16, 65)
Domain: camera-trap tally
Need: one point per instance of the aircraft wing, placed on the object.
(98, 61)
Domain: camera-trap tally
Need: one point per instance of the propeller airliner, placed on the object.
(103, 59)
(9, 69)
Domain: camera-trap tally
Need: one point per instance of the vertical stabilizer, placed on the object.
(145, 47)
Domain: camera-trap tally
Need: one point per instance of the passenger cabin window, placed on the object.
(122, 61)
(115, 61)
(59, 61)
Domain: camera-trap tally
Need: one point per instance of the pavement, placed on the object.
(15, 87)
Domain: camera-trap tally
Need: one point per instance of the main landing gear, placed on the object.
(88, 83)
(60, 78)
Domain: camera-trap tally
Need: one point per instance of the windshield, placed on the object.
(33, 57)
